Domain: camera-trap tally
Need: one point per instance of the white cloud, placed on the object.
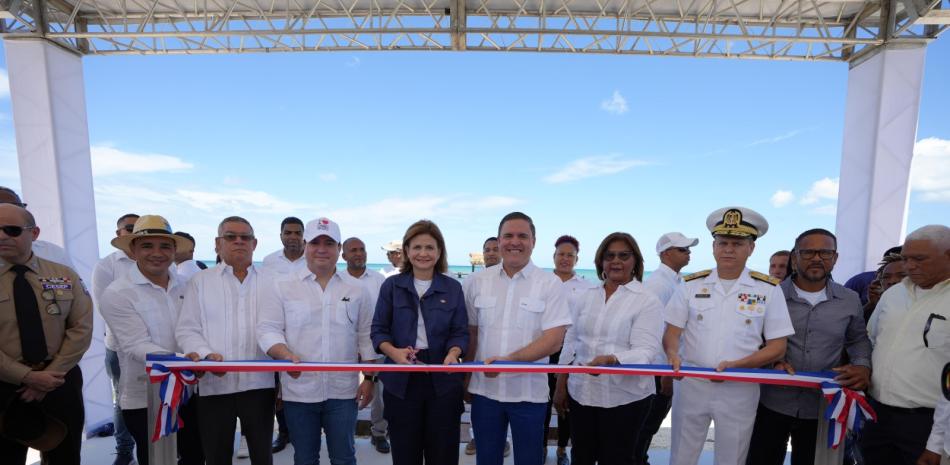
(589, 167)
(240, 200)
(822, 189)
(930, 170)
(108, 160)
(616, 104)
(4, 83)
(782, 198)
(394, 215)
(328, 177)
(772, 140)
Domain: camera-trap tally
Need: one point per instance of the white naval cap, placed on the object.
(321, 227)
(674, 239)
(737, 221)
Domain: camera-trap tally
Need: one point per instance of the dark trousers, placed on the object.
(606, 436)
(898, 437)
(63, 403)
(188, 437)
(424, 427)
(659, 408)
(218, 419)
(770, 438)
(563, 421)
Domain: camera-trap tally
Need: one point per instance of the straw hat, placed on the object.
(150, 226)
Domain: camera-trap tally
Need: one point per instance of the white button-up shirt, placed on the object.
(113, 266)
(219, 315)
(663, 282)
(318, 325)
(187, 269)
(142, 317)
(576, 286)
(626, 326)
(277, 262)
(939, 440)
(510, 314)
(373, 280)
(720, 325)
(906, 370)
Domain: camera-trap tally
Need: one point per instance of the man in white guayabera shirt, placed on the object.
(318, 315)
(516, 312)
(141, 308)
(219, 322)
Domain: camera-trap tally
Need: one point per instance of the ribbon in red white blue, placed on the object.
(173, 393)
(847, 409)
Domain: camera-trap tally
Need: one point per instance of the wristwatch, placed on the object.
(372, 379)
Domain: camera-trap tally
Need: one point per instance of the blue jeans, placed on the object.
(336, 417)
(490, 419)
(123, 440)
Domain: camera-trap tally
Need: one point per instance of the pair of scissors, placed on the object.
(412, 356)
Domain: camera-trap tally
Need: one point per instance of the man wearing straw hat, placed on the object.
(45, 328)
(722, 316)
(141, 308)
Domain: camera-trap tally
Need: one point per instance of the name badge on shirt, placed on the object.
(55, 283)
(702, 296)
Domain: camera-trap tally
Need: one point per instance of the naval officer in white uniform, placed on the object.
(727, 317)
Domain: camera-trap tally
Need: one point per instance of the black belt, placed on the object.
(915, 411)
(40, 366)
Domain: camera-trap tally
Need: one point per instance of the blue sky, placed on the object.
(379, 140)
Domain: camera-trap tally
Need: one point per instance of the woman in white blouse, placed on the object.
(618, 322)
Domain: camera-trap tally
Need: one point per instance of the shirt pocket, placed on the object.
(938, 336)
(530, 311)
(298, 313)
(700, 313)
(752, 320)
(487, 307)
(346, 314)
(63, 301)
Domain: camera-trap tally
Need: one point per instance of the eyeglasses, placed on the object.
(21, 205)
(128, 227)
(623, 256)
(14, 231)
(824, 254)
(234, 237)
(930, 319)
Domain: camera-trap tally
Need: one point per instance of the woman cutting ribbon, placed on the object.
(421, 318)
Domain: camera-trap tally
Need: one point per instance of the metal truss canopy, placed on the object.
(819, 30)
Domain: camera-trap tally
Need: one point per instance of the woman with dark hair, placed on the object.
(421, 318)
(617, 322)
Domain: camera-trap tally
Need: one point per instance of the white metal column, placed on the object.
(49, 118)
(879, 134)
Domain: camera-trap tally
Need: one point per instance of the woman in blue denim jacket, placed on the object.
(423, 409)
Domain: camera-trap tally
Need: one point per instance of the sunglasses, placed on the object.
(930, 320)
(129, 227)
(681, 249)
(623, 256)
(14, 231)
(234, 237)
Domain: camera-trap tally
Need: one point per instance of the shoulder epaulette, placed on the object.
(765, 278)
(697, 275)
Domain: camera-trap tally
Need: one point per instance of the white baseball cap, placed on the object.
(393, 246)
(674, 239)
(321, 227)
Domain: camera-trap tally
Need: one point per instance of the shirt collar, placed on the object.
(223, 269)
(634, 286)
(136, 276)
(525, 272)
(33, 264)
(745, 278)
(665, 270)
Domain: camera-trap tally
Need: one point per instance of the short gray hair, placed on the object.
(233, 219)
(937, 234)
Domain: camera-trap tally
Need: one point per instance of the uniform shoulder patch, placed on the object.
(697, 275)
(765, 278)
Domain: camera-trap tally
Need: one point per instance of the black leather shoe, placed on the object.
(381, 444)
(279, 444)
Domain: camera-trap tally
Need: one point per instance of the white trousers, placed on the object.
(697, 402)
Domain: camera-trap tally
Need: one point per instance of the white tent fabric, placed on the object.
(49, 114)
